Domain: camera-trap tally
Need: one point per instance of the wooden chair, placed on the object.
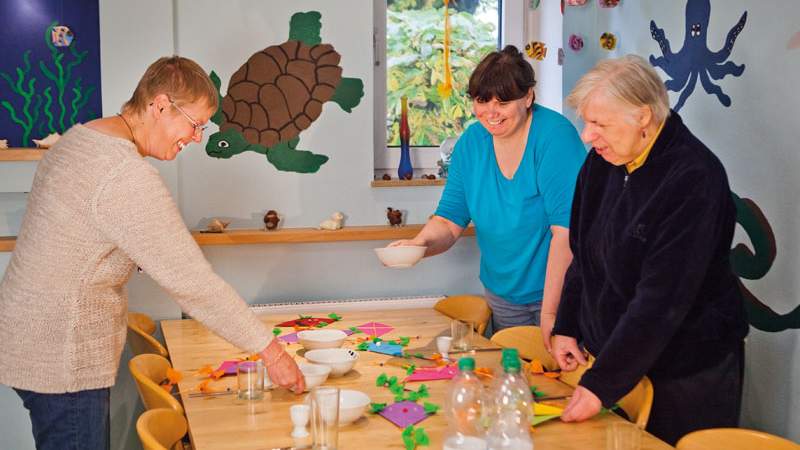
(734, 439)
(528, 341)
(140, 335)
(148, 370)
(636, 403)
(161, 429)
(467, 308)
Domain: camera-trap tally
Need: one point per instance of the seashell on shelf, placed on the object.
(216, 226)
(47, 142)
(3, 144)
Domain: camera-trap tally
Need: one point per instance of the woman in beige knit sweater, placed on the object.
(97, 209)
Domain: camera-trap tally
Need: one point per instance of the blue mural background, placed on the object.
(74, 90)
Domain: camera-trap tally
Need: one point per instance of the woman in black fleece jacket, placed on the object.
(650, 290)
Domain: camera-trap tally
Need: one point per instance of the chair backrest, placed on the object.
(161, 429)
(734, 439)
(148, 370)
(140, 335)
(468, 308)
(528, 341)
(638, 402)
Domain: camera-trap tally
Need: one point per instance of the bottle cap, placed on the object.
(466, 364)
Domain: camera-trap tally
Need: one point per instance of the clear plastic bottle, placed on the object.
(511, 407)
(463, 406)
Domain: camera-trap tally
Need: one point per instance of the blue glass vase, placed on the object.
(404, 171)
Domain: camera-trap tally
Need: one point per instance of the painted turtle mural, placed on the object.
(279, 92)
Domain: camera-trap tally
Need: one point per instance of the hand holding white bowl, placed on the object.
(401, 256)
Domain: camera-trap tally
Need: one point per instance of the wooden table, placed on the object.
(222, 422)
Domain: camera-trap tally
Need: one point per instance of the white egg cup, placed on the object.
(443, 345)
(300, 415)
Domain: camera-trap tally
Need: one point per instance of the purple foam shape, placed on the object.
(404, 413)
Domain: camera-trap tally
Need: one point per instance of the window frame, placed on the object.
(387, 158)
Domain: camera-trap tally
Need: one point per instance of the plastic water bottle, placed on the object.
(463, 405)
(511, 408)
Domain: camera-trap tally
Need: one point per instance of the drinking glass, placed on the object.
(461, 332)
(250, 375)
(623, 436)
(325, 417)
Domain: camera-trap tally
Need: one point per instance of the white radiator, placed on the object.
(350, 304)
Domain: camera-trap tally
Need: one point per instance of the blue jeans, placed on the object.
(506, 314)
(71, 421)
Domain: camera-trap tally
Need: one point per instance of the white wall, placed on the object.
(756, 138)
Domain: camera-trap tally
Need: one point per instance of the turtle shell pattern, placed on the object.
(280, 90)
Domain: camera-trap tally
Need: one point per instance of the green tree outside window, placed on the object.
(414, 47)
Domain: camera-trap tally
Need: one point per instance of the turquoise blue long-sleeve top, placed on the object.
(512, 217)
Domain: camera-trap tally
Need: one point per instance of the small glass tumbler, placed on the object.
(251, 380)
(461, 332)
(623, 436)
(325, 417)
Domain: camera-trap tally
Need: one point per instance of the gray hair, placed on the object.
(629, 79)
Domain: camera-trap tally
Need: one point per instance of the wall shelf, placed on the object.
(407, 183)
(291, 235)
(22, 154)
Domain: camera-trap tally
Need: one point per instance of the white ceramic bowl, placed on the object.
(315, 374)
(340, 360)
(314, 339)
(400, 257)
(351, 405)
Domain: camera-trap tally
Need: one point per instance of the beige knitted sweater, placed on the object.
(96, 210)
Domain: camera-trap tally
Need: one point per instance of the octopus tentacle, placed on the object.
(712, 88)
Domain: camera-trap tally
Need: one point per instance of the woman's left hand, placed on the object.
(583, 405)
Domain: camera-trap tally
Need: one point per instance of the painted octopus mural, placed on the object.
(753, 265)
(695, 60)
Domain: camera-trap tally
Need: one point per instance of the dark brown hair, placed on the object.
(503, 74)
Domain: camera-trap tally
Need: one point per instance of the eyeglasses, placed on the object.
(198, 129)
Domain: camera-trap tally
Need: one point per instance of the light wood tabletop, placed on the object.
(223, 422)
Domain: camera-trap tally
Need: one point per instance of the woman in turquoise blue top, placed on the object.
(513, 175)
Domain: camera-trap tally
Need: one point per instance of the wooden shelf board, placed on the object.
(21, 154)
(407, 183)
(291, 235)
(7, 243)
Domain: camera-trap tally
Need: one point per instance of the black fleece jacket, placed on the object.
(650, 290)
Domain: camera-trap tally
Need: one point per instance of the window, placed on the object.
(415, 63)
(409, 36)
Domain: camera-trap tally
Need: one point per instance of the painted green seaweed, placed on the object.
(50, 110)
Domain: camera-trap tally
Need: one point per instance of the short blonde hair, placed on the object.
(629, 79)
(182, 79)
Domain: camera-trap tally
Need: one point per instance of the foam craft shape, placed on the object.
(228, 367)
(438, 373)
(404, 413)
(375, 328)
(386, 349)
(305, 322)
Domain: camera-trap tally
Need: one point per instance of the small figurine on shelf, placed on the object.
(271, 220)
(216, 226)
(405, 171)
(428, 176)
(386, 177)
(3, 144)
(47, 142)
(395, 217)
(334, 223)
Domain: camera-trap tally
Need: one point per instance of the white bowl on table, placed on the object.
(340, 360)
(315, 374)
(351, 405)
(400, 257)
(314, 339)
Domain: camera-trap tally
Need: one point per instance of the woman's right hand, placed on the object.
(567, 353)
(406, 243)
(282, 369)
